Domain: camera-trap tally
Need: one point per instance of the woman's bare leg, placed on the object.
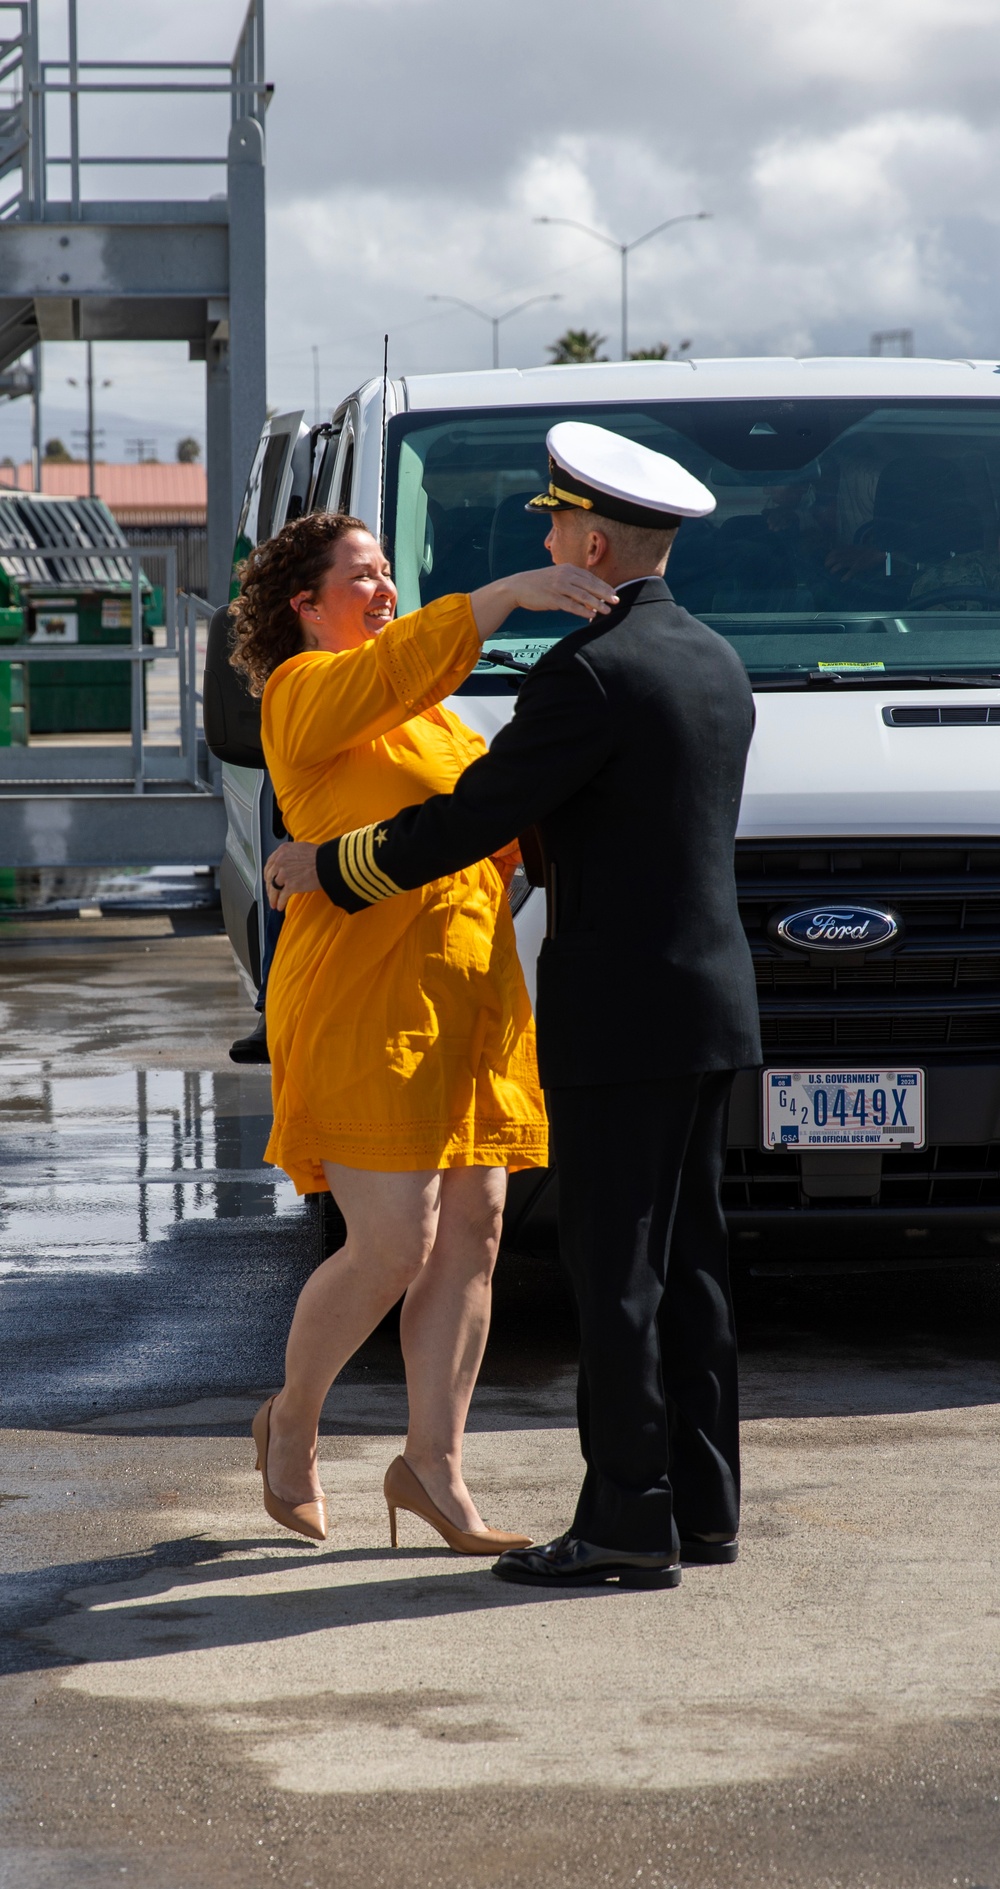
(443, 1329)
(392, 1221)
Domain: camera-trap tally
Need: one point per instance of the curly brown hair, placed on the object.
(266, 630)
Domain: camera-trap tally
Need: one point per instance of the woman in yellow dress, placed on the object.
(401, 1041)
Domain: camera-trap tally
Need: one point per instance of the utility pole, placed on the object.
(315, 355)
(91, 483)
(36, 418)
(90, 434)
(889, 340)
(692, 216)
(494, 320)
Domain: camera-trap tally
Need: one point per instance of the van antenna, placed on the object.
(385, 402)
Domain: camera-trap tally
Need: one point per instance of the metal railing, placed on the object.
(190, 764)
(24, 122)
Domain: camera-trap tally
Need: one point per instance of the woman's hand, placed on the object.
(290, 868)
(557, 587)
(562, 587)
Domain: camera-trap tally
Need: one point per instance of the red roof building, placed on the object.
(137, 495)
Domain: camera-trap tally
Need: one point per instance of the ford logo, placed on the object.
(837, 928)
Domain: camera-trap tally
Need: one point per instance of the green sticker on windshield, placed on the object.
(850, 665)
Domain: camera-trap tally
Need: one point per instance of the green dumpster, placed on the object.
(81, 697)
(12, 723)
(81, 596)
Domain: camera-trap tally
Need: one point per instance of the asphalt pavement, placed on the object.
(190, 1698)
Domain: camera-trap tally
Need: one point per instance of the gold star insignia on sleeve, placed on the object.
(381, 836)
(356, 859)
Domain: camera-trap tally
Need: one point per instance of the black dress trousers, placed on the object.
(643, 1236)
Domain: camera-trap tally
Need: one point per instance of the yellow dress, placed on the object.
(401, 1038)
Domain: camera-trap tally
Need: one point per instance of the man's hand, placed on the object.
(290, 868)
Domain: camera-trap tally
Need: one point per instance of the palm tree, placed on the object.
(660, 351)
(577, 344)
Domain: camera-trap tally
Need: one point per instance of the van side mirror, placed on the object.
(231, 715)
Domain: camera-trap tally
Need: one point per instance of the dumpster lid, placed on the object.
(31, 523)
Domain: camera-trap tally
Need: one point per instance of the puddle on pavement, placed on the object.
(60, 889)
(99, 1167)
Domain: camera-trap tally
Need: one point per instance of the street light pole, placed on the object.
(692, 216)
(91, 484)
(494, 320)
(36, 418)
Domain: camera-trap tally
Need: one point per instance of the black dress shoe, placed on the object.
(702, 1553)
(252, 1048)
(572, 1563)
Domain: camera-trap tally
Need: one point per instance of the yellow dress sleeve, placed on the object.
(318, 703)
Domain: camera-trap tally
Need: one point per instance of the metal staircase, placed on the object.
(75, 266)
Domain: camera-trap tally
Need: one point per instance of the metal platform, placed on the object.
(90, 830)
(88, 803)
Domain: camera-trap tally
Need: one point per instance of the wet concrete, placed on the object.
(191, 1698)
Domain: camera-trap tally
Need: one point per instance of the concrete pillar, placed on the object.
(247, 328)
(236, 362)
(219, 468)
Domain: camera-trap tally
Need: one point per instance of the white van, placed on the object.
(853, 563)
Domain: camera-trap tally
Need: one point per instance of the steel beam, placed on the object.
(96, 765)
(113, 259)
(247, 334)
(88, 830)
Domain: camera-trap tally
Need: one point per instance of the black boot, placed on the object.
(252, 1048)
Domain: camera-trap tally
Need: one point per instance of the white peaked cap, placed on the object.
(640, 486)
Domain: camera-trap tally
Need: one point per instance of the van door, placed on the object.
(325, 455)
(276, 490)
(336, 484)
(269, 487)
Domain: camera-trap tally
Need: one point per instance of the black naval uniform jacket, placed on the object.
(625, 754)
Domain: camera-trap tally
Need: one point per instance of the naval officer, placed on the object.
(623, 767)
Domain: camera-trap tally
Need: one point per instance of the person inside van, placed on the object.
(402, 1044)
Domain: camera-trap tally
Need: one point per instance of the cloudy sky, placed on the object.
(847, 151)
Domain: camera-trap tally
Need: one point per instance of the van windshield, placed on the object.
(849, 535)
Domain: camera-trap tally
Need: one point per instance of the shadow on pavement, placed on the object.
(148, 1629)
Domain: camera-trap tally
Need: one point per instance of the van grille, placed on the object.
(911, 1178)
(938, 990)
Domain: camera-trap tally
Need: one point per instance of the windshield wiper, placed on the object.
(875, 679)
(500, 661)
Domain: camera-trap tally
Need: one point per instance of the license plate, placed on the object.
(843, 1108)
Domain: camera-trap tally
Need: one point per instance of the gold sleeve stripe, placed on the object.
(352, 874)
(356, 859)
(362, 868)
(374, 870)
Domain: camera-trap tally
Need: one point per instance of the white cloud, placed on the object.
(869, 43)
(893, 169)
(846, 148)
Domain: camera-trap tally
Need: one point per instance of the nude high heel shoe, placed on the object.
(404, 1490)
(303, 1518)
